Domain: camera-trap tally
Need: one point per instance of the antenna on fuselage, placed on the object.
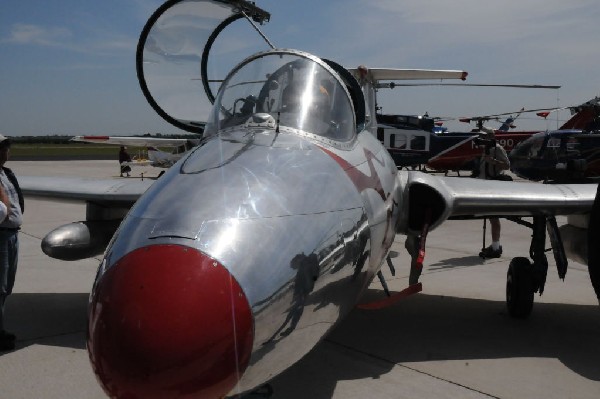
(266, 39)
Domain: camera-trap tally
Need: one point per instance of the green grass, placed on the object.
(67, 151)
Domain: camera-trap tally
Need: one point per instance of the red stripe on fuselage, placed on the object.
(361, 181)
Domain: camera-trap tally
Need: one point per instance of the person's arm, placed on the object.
(499, 159)
(503, 163)
(4, 204)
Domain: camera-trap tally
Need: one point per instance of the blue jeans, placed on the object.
(9, 252)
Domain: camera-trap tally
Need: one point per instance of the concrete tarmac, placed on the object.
(453, 340)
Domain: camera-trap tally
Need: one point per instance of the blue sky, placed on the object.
(68, 67)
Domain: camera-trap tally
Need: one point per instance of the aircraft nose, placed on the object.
(167, 321)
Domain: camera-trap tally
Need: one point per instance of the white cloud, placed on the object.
(118, 43)
(34, 34)
(60, 37)
(528, 41)
(423, 27)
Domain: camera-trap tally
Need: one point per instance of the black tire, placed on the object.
(519, 288)
(593, 247)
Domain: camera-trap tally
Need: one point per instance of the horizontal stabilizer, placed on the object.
(379, 74)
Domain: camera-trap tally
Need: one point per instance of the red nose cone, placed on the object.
(168, 321)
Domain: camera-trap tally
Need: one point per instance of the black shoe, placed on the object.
(7, 341)
(6, 345)
(7, 336)
(490, 252)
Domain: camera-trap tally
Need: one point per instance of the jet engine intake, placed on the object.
(426, 206)
(429, 202)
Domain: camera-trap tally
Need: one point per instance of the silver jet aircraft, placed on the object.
(237, 261)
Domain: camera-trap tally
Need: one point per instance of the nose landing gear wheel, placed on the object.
(519, 288)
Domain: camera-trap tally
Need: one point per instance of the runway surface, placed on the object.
(453, 340)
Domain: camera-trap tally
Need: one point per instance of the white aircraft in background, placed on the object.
(235, 263)
(156, 157)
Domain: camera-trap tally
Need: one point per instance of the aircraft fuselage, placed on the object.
(299, 227)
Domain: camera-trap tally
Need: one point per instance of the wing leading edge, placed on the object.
(446, 197)
(107, 202)
(82, 189)
(455, 197)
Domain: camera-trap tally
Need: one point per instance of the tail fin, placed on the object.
(506, 125)
(584, 115)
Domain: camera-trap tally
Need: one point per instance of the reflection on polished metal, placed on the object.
(302, 94)
(243, 255)
(285, 195)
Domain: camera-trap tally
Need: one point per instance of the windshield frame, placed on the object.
(343, 97)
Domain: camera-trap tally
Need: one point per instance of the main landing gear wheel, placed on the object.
(593, 247)
(519, 288)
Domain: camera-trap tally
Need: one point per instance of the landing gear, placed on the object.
(524, 278)
(593, 247)
(519, 288)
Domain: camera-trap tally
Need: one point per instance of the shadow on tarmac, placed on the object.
(452, 263)
(368, 344)
(56, 319)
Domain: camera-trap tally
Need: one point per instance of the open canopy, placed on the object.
(176, 70)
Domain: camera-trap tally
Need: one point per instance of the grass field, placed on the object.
(68, 151)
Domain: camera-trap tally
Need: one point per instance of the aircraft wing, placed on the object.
(107, 202)
(131, 141)
(446, 197)
(80, 189)
(456, 197)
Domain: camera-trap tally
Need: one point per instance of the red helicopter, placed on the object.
(421, 141)
(417, 141)
(464, 155)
